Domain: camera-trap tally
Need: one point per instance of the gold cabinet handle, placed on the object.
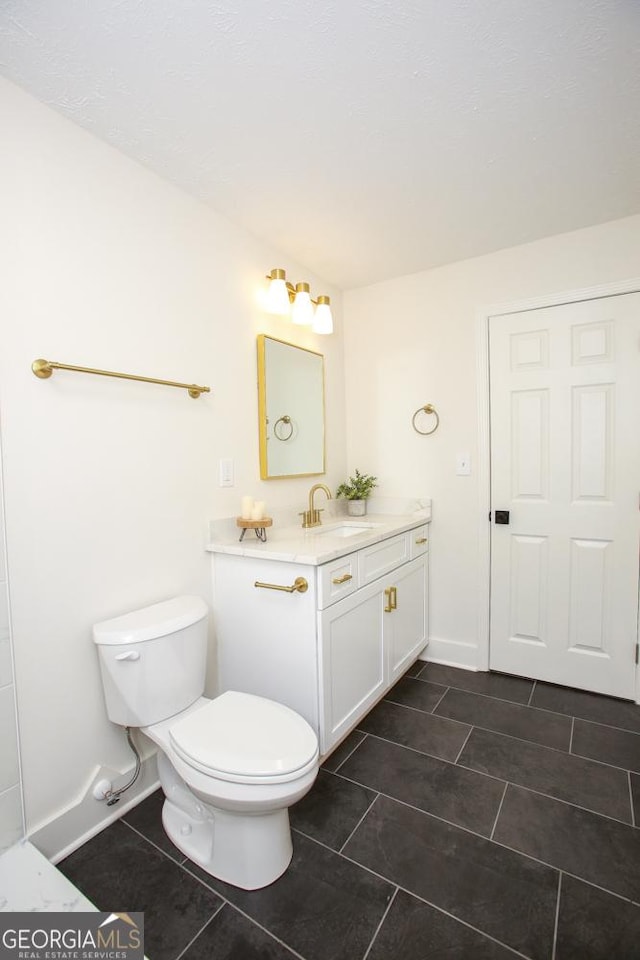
(300, 585)
(389, 607)
(393, 600)
(421, 540)
(343, 579)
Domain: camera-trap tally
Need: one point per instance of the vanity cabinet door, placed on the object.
(351, 661)
(266, 638)
(405, 627)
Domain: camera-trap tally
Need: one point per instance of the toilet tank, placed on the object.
(153, 660)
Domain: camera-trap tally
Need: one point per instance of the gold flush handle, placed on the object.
(299, 585)
(422, 540)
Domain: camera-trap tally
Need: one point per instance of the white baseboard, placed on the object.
(86, 817)
(451, 653)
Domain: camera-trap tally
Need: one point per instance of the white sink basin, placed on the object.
(346, 529)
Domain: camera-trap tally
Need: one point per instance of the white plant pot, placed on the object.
(356, 508)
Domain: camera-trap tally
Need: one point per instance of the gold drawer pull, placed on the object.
(300, 585)
(391, 593)
(343, 579)
(422, 540)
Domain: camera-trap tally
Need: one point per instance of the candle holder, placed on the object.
(258, 525)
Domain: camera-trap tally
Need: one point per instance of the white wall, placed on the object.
(11, 825)
(109, 484)
(412, 341)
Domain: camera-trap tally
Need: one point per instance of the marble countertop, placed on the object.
(28, 882)
(316, 545)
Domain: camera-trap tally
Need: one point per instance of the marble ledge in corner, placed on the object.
(29, 883)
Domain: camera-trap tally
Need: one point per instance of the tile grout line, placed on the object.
(490, 776)
(556, 713)
(246, 915)
(440, 699)
(350, 754)
(358, 823)
(430, 903)
(546, 746)
(421, 753)
(201, 930)
(598, 723)
(555, 926)
(573, 725)
(466, 740)
(143, 836)
(425, 713)
(532, 692)
(498, 843)
(422, 668)
(520, 703)
(382, 920)
(495, 822)
(490, 696)
(482, 836)
(633, 812)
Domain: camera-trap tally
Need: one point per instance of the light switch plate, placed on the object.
(463, 465)
(226, 473)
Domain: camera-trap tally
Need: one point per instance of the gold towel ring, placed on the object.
(428, 408)
(287, 421)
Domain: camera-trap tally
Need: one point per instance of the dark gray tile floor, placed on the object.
(470, 817)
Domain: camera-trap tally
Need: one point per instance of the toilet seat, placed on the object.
(242, 738)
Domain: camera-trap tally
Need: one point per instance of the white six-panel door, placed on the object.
(565, 463)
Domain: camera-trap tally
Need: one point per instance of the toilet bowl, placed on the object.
(243, 761)
(229, 767)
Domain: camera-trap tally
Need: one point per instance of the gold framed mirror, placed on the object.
(290, 410)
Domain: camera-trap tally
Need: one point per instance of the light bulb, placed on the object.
(302, 311)
(278, 294)
(322, 320)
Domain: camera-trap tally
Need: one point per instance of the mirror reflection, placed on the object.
(291, 409)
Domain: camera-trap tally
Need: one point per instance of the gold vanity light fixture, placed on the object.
(284, 299)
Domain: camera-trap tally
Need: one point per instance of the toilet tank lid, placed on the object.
(158, 620)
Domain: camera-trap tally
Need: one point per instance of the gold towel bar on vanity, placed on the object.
(44, 368)
(300, 585)
(428, 408)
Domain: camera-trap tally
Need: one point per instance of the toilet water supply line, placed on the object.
(112, 796)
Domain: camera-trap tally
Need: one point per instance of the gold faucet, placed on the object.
(311, 517)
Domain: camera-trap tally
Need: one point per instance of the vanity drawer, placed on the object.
(337, 580)
(380, 558)
(419, 539)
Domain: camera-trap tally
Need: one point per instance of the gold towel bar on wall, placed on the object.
(44, 368)
(428, 408)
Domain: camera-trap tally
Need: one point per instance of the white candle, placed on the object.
(247, 508)
(257, 512)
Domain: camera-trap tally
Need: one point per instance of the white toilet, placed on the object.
(229, 767)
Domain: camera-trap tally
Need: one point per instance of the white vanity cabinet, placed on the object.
(332, 651)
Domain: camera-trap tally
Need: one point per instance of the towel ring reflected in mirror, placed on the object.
(428, 409)
(285, 431)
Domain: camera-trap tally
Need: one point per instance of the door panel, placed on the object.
(405, 627)
(565, 461)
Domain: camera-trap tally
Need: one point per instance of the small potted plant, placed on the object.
(356, 490)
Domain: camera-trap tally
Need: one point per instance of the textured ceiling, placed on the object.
(364, 138)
